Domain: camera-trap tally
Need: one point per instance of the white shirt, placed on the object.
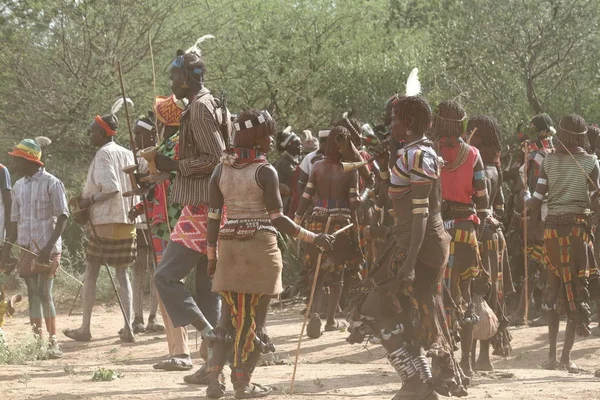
(105, 175)
(4, 185)
(38, 201)
(306, 164)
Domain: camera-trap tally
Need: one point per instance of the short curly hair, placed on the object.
(418, 109)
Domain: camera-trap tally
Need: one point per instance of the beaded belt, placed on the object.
(243, 229)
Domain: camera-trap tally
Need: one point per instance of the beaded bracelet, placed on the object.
(384, 174)
(211, 251)
(305, 235)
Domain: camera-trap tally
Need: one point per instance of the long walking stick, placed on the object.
(75, 300)
(310, 301)
(132, 144)
(525, 255)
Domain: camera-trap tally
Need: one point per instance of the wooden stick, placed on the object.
(309, 306)
(471, 135)
(132, 144)
(525, 255)
(342, 230)
(153, 68)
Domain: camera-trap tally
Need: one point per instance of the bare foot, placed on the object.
(570, 367)
(551, 364)
(465, 365)
(484, 365)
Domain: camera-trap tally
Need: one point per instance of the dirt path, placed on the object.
(329, 368)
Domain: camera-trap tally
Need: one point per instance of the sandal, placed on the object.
(253, 391)
(215, 390)
(154, 327)
(138, 327)
(175, 363)
(338, 326)
(199, 377)
(127, 336)
(77, 335)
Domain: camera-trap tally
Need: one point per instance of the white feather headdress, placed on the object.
(42, 141)
(195, 48)
(413, 85)
(116, 107)
(367, 130)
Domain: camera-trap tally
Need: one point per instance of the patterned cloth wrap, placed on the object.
(419, 307)
(568, 237)
(159, 210)
(464, 242)
(493, 247)
(345, 249)
(114, 252)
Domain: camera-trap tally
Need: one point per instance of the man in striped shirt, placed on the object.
(201, 146)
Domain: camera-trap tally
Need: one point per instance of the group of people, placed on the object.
(407, 239)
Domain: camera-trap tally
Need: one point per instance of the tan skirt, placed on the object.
(250, 266)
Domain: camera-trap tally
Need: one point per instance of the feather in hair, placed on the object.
(119, 104)
(413, 86)
(195, 47)
(345, 115)
(367, 130)
(288, 129)
(307, 134)
(43, 141)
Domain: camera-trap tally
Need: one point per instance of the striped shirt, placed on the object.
(567, 185)
(417, 164)
(38, 201)
(200, 149)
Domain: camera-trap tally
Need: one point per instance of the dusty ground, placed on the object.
(329, 368)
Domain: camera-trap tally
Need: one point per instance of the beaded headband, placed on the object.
(145, 125)
(290, 138)
(107, 129)
(263, 117)
(571, 132)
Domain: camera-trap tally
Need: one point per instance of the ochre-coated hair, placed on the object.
(487, 133)
(448, 119)
(593, 133)
(249, 138)
(568, 128)
(354, 127)
(418, 109)
(333, 150)
(486, 138)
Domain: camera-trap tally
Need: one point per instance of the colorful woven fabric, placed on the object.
(565, 239)
(168, 109)
(464, 237)
(243, 314)
(535, 252)
(29, 150)
(190, 230)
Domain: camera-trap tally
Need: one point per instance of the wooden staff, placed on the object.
(309, 306)
(132, 144)
(153, 68)
(525, 255)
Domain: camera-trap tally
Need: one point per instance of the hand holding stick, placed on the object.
(310, 301)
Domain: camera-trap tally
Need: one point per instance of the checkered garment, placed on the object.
(114, 252)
